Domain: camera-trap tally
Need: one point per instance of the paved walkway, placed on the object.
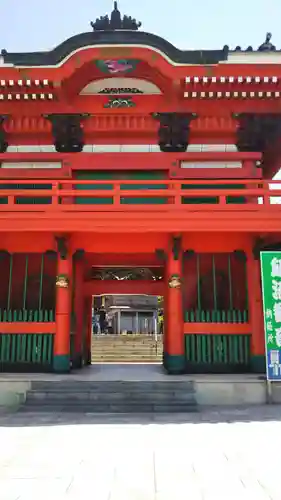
(222, 454)
(123, 371)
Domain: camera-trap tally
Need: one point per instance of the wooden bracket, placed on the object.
(188, 254)
(79, 255)
(161, 255)
(176, 247)
(3, 135)
(62, 247)
(240, 255)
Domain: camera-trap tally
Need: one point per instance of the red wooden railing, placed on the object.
(66, 196)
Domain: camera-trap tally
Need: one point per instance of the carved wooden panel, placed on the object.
(130, 124)
(27, 125)
(203, 124)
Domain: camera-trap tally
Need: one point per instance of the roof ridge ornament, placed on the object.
(267, 46)
(115, 22)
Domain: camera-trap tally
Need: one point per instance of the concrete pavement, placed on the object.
(217, 454)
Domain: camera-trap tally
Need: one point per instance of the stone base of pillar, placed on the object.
(77, 361)
(174, 364)
(61, 363)
(258, 364)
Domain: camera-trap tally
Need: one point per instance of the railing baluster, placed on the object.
(11, 200)
(178, 195)
(117, 194)
(55, 198)
(266, 193)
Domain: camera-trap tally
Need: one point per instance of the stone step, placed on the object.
(125, 340)
(119, 350)
(126, 354)
(111, 396)
(113, 385)
(126, 396)
(123, 360)
(111, 408)
(125, 351)
(137, 338)
(126, 347)
(128, 357)
(104, 345)
(118, 358)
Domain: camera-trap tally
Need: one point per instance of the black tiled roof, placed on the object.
(117, 37)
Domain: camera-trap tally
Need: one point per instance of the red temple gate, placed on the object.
(138, 154)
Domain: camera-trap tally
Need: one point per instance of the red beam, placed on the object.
(20, 328)
(124, 259)
(254, 221)
(217, 328)
(122, 161)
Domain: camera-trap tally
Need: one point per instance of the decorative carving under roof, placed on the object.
(257, 132)
(115, 22)
(3, 136)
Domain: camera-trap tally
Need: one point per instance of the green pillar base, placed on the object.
(174, 364)
(258, 364)
(61, 363)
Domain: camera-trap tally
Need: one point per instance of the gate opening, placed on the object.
(127, 328)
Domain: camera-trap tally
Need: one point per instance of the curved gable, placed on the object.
(65, 50)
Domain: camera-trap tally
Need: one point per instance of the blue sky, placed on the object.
(33, 25)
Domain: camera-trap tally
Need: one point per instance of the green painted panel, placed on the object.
(207, 351)
(119, 175)
(26, 350)
(214, 316)
(14, 316)
(212, 199)
(27, 200)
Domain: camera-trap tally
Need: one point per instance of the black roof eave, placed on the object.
(57, 55)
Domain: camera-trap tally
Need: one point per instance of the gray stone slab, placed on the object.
(218, 454)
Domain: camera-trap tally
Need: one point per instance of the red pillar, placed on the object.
(256, 314)
(61, 361)
(79, 312)
(174, 352)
